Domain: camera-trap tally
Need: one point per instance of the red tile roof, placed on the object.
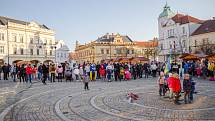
(146, 44)
(207, 27)
(183, 19)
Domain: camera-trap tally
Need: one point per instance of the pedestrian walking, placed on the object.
(76, 72)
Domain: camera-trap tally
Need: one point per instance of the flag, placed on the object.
(168, 64)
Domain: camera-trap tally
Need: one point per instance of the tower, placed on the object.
(162, 19)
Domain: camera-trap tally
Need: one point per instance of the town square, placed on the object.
(107, 60)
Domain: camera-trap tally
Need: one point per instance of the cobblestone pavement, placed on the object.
(106, 101)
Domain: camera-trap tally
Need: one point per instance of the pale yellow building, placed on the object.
(25, 41)
(112, 46)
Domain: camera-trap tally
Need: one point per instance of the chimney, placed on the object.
(107, 35)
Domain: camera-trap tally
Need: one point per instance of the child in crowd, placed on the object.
(122, 73)
(127, 74)
(161, 81)
(102, 72)
(86, 80)
(187, 88)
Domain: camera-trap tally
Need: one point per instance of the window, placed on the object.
(21, 38)
(31, 40)
(1, 49)
(161, 46)
(132, 51)
(38, 51)
(195, 43)
(127, 52)
(64, 55)
(184, 43)
(21, 51)
(45, 41)
(50, 42)
(102, 51)
(107, 51)
(61, 55)
(50, 52)
(15, 50)
(14, 37)
(46, 53)
(183, 30)
(31, 51)
(2, 36)
(205, 41)
(58, 55)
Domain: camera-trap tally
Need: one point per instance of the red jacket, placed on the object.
(170, 82)
(102, 71)
(177, 85)
(28, 70)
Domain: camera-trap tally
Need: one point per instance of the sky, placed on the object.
(86, 20)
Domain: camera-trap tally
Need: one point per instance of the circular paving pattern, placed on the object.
(106, 102)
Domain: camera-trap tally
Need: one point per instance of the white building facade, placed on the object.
(25, 41)
(62, 52)
(174, 32)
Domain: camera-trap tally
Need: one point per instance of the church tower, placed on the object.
(162, 19)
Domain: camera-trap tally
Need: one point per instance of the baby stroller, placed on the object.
(68, 75)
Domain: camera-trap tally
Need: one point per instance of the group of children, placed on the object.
(172, 85)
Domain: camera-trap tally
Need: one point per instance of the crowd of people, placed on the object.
(168, 82)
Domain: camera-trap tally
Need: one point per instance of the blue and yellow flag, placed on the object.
(168, 64)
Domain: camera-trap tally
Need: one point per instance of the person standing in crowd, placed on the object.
(109, 70)
(154, 69)
(146, 70)
(98, 66)
(161, 81)
(34, 72)
(40, 71)
(187, 88)
(81, 70)
(52, 70)
(64, 68)
(14, 72)
(29, 73)
(6, 71)
(211, 68)
(116, 71)
(102, 72)
(59, 73)
(170, 81)
(192, 88)
(87, 69)
(176, 87)
(92, 72)
(86, 80)
(0, 71)
(122, 74)
(22, 73)
(45, 73)
(76, 72)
